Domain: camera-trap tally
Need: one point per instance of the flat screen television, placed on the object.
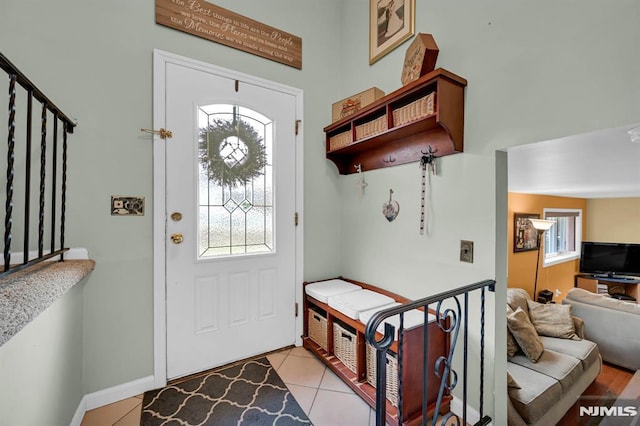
(610, 259)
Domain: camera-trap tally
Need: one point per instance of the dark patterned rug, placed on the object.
(250, 393)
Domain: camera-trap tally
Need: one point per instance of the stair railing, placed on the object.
(449, 320)
(49, 172)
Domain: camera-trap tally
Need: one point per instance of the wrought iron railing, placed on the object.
(451, 314)
(50, 215)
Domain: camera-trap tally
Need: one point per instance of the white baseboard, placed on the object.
(111, 395)
(473, 416)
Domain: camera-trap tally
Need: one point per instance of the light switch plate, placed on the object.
(466, 251)
(127, 205)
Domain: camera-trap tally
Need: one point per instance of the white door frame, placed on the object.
(160, 59)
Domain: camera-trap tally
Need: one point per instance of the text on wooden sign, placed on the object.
(223, 26)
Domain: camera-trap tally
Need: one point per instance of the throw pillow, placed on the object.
(512, 345)
(525, 334)
(511, 382)
(552, 320)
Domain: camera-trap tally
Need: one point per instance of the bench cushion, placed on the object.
(322, 290)
(352, 303)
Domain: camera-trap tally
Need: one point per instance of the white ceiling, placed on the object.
(601, 164)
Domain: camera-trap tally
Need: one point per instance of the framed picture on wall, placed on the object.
(524, 234)
(391, 22)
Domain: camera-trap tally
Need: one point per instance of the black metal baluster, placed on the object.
(63, 207)
(483, 419)
(425, 365)
(400, 355)
(27, 182)
(11, 142)
(54, 181)
(466, 351)
(43, 175)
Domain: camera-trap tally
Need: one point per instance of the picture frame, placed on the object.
(524, 234)
(391, 22)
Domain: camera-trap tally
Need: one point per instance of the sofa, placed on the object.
(614, 325)
(544, 382)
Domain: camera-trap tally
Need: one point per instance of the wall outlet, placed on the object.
(466, 251)
(127, 206)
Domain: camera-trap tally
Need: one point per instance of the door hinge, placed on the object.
(296, 309)
(298, 126)
(295, 218)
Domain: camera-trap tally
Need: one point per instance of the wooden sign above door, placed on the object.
(223, 26)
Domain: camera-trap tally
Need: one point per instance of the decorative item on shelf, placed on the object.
(232, 152)
(420, 58)
(348, 106)
(391, 209)
(541, 226)
(361, 183)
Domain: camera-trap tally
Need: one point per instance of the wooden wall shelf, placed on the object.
(397, 128)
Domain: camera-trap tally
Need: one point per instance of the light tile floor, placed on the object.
(322, 395)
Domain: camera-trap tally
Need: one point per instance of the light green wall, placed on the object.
(535, 71)
(40, 367)
(94, 59)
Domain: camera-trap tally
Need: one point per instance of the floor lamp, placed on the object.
(540, 225)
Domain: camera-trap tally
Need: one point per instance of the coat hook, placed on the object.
(389, 159)
(358, 167)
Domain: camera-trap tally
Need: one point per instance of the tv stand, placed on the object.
(591, 282)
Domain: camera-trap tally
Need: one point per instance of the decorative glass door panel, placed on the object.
(235, 197)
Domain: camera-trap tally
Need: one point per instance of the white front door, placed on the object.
(230, 205)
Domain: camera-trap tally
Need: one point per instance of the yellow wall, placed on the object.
(522, 265)
(615, 220)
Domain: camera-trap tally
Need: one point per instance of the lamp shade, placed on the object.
(542, 224)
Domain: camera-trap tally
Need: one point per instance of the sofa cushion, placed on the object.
(537, 392)
(584, 350)
(517, 297)
(552, 320)
(525, 334)
(511, 382)
(563, 368)
(512, 345)
(584, 296)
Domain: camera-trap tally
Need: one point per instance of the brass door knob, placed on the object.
(177, 238)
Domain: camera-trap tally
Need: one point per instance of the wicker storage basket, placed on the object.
(344, 346)
(340, 140)
(392, 374)
(318, 328)
(371, 127)
(415, 110)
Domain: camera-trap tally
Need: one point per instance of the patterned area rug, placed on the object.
(250, 393)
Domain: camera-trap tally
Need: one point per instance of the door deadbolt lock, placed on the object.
(177, 238)
(176, 216)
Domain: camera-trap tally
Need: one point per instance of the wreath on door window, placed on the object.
(232, 152)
